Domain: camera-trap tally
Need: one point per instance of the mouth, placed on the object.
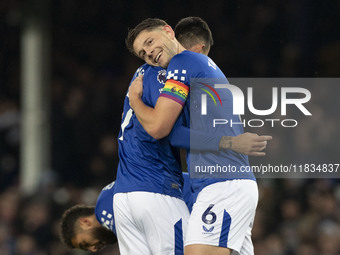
(158, 56)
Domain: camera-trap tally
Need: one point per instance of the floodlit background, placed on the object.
(64, 72)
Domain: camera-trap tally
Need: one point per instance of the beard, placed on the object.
(105, 236)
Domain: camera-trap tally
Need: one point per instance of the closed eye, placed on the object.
(149, 42)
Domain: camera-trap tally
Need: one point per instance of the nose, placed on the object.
(148, 51)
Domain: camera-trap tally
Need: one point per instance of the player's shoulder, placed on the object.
(187, 65)
(109, 187)
(151, 71)
(190, 56)
(187, 56)
(104, 208)
(146, 68)
(106, 193)
(189, 60)
(154, 77)
(140, 70)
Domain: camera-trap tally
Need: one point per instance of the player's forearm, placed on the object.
(225, 143)
(150, 118)
(247, 143)
(186, 138)
(144, 113)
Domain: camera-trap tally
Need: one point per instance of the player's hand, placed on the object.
(136, 90)
(136, 87)
(248, 143)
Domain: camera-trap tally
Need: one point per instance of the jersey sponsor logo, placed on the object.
(177, 75)
(161, 76)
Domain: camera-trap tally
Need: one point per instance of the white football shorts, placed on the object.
(223, 216)
(150, 223)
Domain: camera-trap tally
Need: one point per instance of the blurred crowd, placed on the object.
(91, 70)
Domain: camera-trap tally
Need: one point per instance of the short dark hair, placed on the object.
(193, 30)
(148, 25)
(68, 222)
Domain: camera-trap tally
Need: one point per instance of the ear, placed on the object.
(205, 50)
(197, 48)
(85, 222)
(169, 31)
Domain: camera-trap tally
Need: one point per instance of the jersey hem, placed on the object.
(151, 191)
(211, 244)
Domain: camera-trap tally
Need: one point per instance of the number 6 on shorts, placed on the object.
(206, 219)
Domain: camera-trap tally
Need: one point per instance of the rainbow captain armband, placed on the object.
(176, 91)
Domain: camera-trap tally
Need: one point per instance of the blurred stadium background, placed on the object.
(61, 103)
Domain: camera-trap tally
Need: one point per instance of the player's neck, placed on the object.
(180, 48)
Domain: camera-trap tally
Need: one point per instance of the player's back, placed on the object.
(146, 164)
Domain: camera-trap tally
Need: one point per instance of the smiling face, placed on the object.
(157, 47)
(93, 239)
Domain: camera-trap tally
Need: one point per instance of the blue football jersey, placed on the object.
(104, 207)
(186, 72)
(187, 191)
(146, 164)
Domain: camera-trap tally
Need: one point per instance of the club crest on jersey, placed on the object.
(161, 76)
(177, 75)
